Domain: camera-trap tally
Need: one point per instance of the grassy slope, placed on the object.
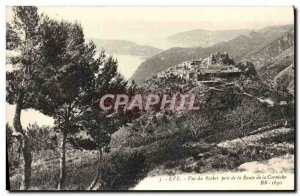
(81, 167)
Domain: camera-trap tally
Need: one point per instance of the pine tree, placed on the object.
(99, 124)
(71, 66)
(56, 72)
(23, 39)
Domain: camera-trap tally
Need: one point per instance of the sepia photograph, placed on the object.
(136, 98)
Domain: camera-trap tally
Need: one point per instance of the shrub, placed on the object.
(122, 170)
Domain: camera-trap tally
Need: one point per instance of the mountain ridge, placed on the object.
(208, 38)
(126, 47)
(205, 38)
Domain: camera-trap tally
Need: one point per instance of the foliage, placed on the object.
(42, 138)
(122, 170)
(23, 38)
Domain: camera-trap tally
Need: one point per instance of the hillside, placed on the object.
(275, 57)
(239, 123)
(205, 38)
(284, 80)
(239, 48)
(125, 47)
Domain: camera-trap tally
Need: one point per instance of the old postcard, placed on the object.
(150, 98)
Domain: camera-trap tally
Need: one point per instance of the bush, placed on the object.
(122, 170)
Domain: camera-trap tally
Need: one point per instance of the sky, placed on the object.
(151, 25)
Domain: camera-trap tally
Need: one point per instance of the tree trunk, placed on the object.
(17, 118)
(96, 179)
(26, 149)
(62, 164)
(24, 143)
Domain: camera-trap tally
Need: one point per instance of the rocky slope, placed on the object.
(239, 122)
(273, 59)
(285, 80)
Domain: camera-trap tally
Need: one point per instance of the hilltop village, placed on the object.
(215, 68)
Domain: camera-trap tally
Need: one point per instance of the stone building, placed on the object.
(216, 66)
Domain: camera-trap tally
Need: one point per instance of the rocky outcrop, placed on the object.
(247, 67)
(220, 59)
